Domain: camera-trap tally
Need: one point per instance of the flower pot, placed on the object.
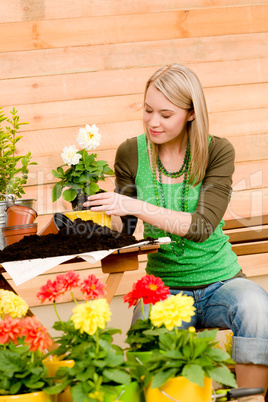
(57, 222)
(20, 215)
(99, 217)
(125, 393)
(32, 397)
(53, 363)
(28, 202)
(13, 234)
(180, 389)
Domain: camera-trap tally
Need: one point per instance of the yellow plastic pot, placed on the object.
(53, 363)
(125, 393)
(180, 389)
(97, 217)
(33, 397)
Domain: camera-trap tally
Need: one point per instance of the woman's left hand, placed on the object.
(113, 204)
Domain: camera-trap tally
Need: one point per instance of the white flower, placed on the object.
(89, 137)
(70, 155)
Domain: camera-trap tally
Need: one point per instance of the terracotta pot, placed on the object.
(20, 215)
(57, 222)
(99, 217)
(180, 389)
(28, 202)
(33, 397)
(13, 234)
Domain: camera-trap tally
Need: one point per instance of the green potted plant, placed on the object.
(80, 173)
(14, 168)
(178, 362)
(86, 364)
(22, 342)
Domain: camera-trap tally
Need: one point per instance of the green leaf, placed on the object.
(79, 394)
(194, 374)
(223, 375)
(94, 188)
(218, 355)
(69, 195)
(56, 174)
(163, 376)
(56, 192)
(209, 334)
(117, 376)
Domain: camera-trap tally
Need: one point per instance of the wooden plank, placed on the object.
(132, 28)
(251, 248)
(242, 235)
(251, 174)
(129, 55)
(237, 97)
(239, 123)
(27, 10)
(254, 265)
(129, 107)
(69, 113)
(247, 203)
(121, 82)
(248, 221)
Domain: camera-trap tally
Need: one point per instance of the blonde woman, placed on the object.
(177, 179)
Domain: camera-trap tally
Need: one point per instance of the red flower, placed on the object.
(150, 289)
(50, 291)
(93, 288)
(35, 334)
(10, 330)
(68, 281)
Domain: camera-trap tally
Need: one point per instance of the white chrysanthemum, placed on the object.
(70, 155)
(89, 137)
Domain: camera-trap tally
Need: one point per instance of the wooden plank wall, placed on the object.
(67, 64)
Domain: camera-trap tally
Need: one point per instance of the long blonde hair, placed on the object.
(182, 87)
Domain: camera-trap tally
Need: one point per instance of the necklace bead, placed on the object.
(184, 170)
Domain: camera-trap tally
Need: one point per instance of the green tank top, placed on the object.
(201, 263)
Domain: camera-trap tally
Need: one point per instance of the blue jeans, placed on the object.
(239, 304)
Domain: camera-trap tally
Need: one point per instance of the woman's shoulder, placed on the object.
(220, 145)
(128, 144)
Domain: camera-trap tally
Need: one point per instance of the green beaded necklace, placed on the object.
(185, 169)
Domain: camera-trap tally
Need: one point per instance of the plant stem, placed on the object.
(74, 299)
(97, 342)
(55, 308)
(142, 309)
(32, 357)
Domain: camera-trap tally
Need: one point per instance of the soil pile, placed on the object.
(80, 237)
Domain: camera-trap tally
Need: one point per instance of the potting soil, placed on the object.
(80, 237)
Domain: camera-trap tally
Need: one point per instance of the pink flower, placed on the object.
(50, 291)
(10, 330)
(35, 334)
(68, 281)
(150, 289)
(93, 288)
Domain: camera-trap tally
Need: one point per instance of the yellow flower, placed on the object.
(12, 304)
(90, 316)
(97, 395)
(172, 311)
(191, 330)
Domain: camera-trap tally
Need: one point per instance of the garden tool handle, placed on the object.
(234, 393)
(240, 392)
